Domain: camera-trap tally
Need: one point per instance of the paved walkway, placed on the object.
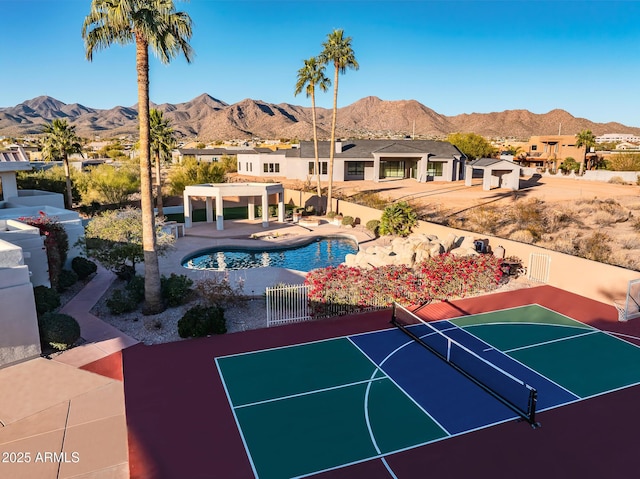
(51, 407)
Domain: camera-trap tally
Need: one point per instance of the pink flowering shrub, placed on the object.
(349, 289)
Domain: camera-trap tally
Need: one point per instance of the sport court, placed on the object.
(320, 406)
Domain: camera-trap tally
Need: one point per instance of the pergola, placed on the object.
(220, 190)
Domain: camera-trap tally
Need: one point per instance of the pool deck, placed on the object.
(238, 233)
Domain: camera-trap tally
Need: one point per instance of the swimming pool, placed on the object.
(320, 253)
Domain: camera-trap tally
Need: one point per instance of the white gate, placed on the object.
(539, 267)
(287, 304)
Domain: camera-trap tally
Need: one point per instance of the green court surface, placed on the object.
(324, 405)
(318, 406)
(582, 359)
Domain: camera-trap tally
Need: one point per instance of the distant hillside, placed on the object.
(208, 118)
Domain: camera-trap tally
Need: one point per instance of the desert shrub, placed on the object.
(202, 321)
(83, 267)
(58, 330)
(175, 289)
(565, 242)
(617, 180)
(66, 279)
(558, 218)
(630, 241)
(121, 302)
(398, 219)
(370, 199)
(347, 221)
(193, 172)
(603, 218)
(110, 185)
(523, 236)
(595, 247)
(331, 214)
(528, 215)
(484, 219)
(624, 162)
(220, 292)
(373, 225)
(135, 288)
(47, 299)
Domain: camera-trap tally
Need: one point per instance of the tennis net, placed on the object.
(505, 387)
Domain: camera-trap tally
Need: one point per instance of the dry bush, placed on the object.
(603, 218)
(633, 206)
(618, 212)
(561, 217)
(617, 180)
(484, 219)
(528, 215)
(635, 224)
(523, 236)
(630, 241)
(626, 260)
(596, 247)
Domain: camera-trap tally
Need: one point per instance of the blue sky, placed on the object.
(453, 56)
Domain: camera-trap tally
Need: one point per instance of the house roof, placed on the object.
(365, 149)
(206, 151)
(484, 162)
(14, 159)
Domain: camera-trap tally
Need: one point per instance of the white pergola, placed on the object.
(220, 190)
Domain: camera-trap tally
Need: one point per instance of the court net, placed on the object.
(505, 387)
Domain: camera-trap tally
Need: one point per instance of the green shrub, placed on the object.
(373, 225)
(58, 330)
(331, 214)
(398, 219)
(175, 289)
(47, 299)
(121, 302)
(202, 321)
(135, 288)
(83, 267)
(66, 279)
(347, 221)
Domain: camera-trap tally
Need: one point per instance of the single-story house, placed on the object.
(375, 160)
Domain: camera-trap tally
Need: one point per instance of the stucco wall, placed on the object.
(595, 280)
(20, 339)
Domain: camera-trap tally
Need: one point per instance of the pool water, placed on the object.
(319, 254)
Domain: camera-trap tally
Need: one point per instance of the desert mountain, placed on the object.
(208, 118)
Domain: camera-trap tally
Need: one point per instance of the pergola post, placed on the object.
(251, 206)
(281, 207)
(265, 209)
(186, 199)
(209, 205)
(219, 212)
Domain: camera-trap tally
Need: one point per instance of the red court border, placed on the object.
(180, 424)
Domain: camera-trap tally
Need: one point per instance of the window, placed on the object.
(271, 167)
(355, 168)
(323, 168)
(534, 147)
(266, 167)
(434, 169)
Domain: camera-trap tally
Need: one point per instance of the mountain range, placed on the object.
(207, 118)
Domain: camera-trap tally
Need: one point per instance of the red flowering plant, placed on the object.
(56, 242)
(346, 289)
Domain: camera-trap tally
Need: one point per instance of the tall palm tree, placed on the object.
(310, 76)
(337, 50)
(59, 142)
(587, 139)
(162, 140)
(147, 23)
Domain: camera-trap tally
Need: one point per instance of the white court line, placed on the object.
(531, 346)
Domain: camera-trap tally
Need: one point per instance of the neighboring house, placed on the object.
(376, 160)
(211, 155)
(23, 259)
(617, 137)
(549, 151)
(627, 145)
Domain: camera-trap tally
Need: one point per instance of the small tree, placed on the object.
(193, 172)
(398, 219)
(472, 145)
(114, 238)
(107, 184)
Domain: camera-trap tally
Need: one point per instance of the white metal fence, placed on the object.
(539, 267)
(290, 304)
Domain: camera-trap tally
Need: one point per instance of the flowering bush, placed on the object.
(56, 243)
(438, 278)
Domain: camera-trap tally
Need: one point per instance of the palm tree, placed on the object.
(337, 50)
(147, 23)
(310, 76)
(587, 139)
(59, 142)
(162, 142)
